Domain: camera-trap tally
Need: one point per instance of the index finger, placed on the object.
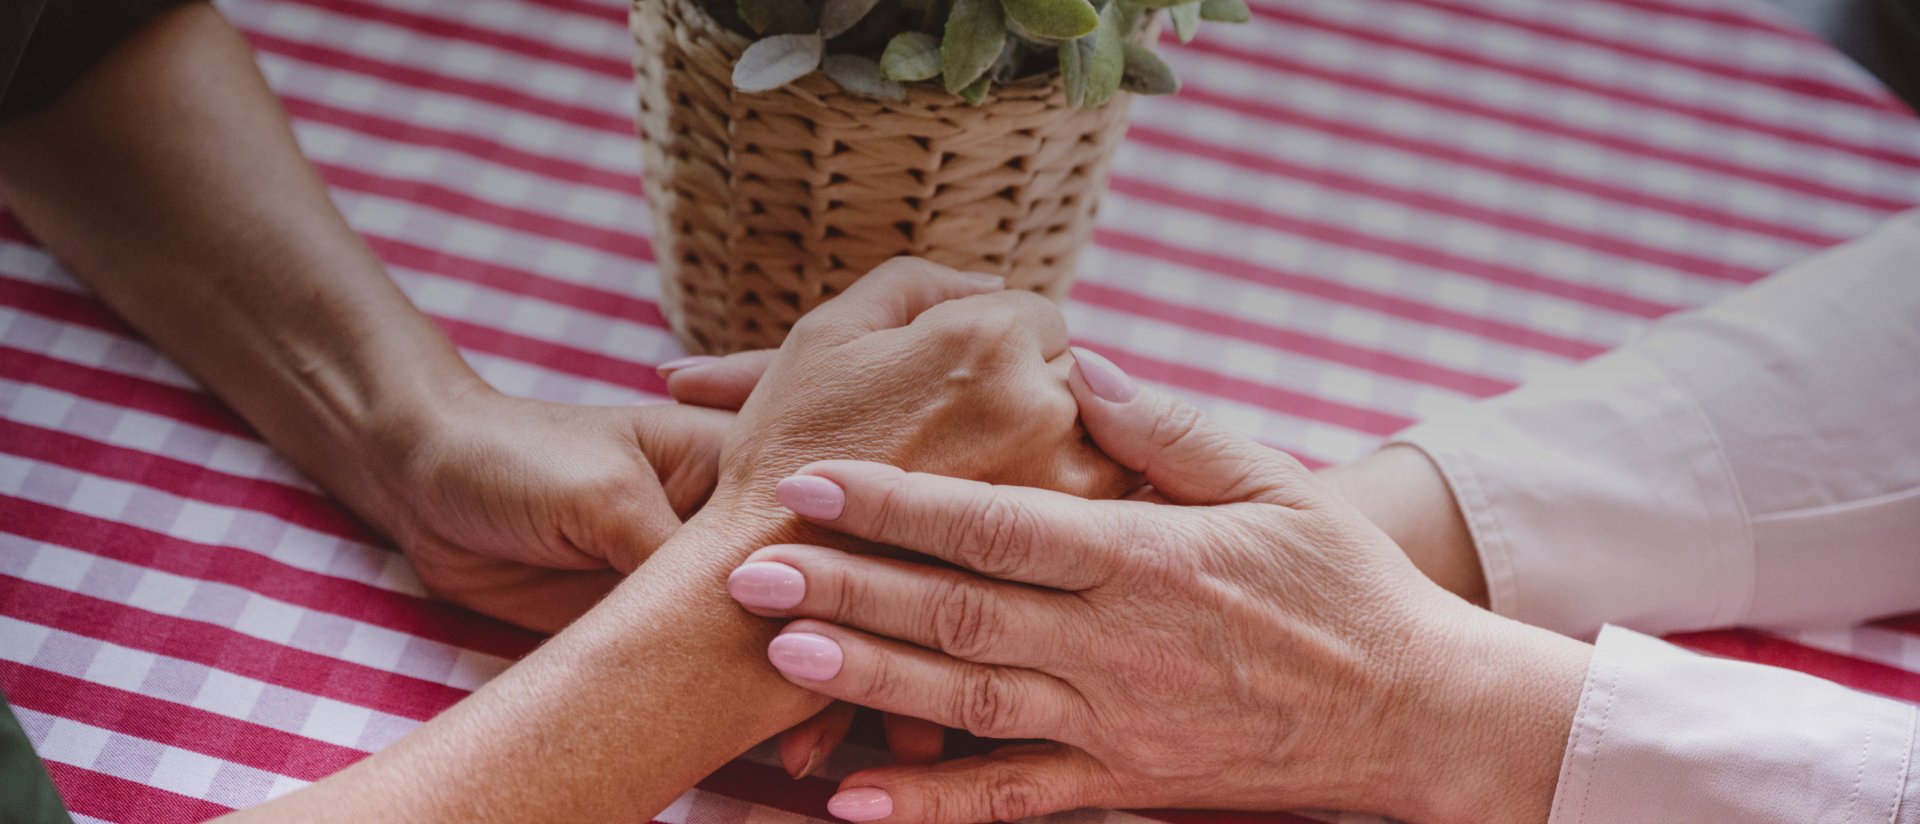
(1012, 533)
(889, 297)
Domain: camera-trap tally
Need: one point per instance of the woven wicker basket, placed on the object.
(764, 205)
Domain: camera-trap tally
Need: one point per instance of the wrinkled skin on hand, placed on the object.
(531, 511)
(923, 367)
(926, 368)
(1234, 637)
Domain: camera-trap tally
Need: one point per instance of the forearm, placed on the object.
(167, 180)
(658, 686)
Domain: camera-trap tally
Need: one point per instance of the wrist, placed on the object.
(374, 423)
(1484, 738)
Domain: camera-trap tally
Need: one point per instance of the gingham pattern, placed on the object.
(1357, 213)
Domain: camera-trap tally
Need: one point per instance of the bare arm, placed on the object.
(667, 679)
(168, 181)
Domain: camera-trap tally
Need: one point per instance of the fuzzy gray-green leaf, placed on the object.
(860, 74)
(1225, 11)
(775, 61)
(1073, 68)
(1057, 19)
(1186, 20)
(836, 16)
(1107, 62)
(1145, 72)
(977, 90)
(976, 32)
(910, 56)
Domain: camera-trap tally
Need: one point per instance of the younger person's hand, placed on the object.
(530, 511)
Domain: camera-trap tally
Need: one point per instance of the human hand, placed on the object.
(924, 367)
(1255, 645)
(930, 367)
(716, 381)
(531, 511)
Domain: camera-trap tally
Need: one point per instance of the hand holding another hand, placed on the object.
(530, 511)
(1254, 645)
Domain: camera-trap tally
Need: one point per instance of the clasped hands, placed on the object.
(1230, 636)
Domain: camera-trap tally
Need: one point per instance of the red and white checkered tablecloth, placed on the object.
(1357, 213)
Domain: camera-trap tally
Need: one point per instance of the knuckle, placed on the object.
(1014, 794)
(967, 619)
(987, 703)
(993, 535)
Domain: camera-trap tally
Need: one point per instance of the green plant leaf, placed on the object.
(836, 16)
(1107, 61)
(860, 74)
(976, 32)
(910, 56)
(775, 61)
(1145, 72)
(777, 16)
(1053, 18)
(1073, 68)
(1186, 19)
(1225, 11)
(977, 90)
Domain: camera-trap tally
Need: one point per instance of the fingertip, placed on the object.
(811, 496)
(861, 804)
(1101, 377)
(806, 656)
(767, 585)
(689, 362)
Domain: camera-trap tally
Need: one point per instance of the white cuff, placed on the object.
(1664, 735)
(1597, 496)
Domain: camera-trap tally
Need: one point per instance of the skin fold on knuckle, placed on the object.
(991, 534)
(968, 621)
(987, 703)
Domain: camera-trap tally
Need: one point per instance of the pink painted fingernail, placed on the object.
(767, 585)
(1106, 380)
(994, 282)
(805, 655)
(861, 804)
(673, 366)
(812, 496)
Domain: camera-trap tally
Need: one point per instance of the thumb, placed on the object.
(1010, 784)
(1187, 457)
(721, 383)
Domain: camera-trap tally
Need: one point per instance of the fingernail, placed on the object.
(812, 496)
(767, 585)
(805, 655)
(1106, 380)
(673, 366)
(813, 760)
(995, 282)
(860, 804)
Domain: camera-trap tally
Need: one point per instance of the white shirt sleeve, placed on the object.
(1754, 463)
(1664, 735)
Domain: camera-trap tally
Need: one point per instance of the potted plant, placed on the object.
(792, 145)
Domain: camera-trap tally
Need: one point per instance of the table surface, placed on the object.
(1356, 214)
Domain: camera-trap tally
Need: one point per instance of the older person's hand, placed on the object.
(920, 366)
(1255, 645)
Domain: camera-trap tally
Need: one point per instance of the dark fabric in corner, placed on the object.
(68, 39)
(29, 796)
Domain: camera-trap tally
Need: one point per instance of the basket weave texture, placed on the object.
(767, 204)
